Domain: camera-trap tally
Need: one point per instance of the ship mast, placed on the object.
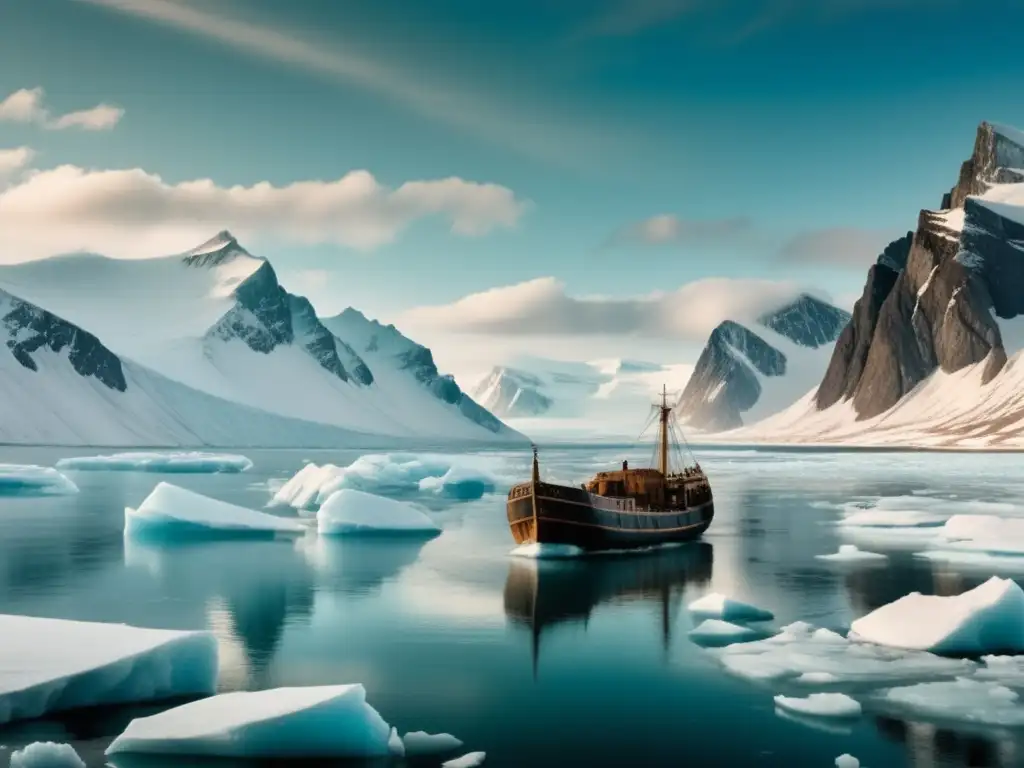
(663, 432)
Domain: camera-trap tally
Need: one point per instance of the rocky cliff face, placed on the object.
(938, 307)
(726, 381)
(31, 330)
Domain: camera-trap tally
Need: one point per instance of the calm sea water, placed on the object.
(538, 664)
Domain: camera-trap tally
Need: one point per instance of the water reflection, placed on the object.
(362, 565)
(540, 594)
(932, 746)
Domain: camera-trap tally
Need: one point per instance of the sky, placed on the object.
(581, 179)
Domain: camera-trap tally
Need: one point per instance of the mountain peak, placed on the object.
(220, 248)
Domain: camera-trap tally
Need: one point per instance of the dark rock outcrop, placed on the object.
(935, 308)
(31, 329)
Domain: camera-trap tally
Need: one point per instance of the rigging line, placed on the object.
(675, 444)
(682, 436)
(647, 425)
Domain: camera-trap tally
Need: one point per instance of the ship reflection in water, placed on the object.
(544, 593)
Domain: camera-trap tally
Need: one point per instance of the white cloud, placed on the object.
(541, 307)
(26, 106)
(135, 214)
(837, 247)
(15, 159)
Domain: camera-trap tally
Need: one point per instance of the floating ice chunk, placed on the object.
(301, 490)
(46, 754)
(49, 665)
(1008, 670)
(848, 553)
(170, 462)
(817, 678)
(987, 618)
(799, 648)
(985, 534)
(316, 721)
(459, 482)
(718, 631)
(471, 760)
(348, 512)
(172, 512)
(547, 551)
(821, 705)
(847, 760)
(982, 702)
(721, 607)
(396, 746)
(892, 518)
(30, 480)
(422, 743)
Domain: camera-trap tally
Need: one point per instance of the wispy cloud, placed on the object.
(667, 229)
(519, 128)
(27, 106)
(12, 160)
(838, 247)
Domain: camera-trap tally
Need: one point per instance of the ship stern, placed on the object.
(521, 518)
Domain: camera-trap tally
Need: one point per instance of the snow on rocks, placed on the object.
(966, 700)
(716, 631)
(46, 754)
(169, 462)
(172, 512)
(422, 743)
(471, 760)
(719, 606)
(821, 705)
(547, 551)
(348, 512)
(50, 665)
(849, 553)
(30, 480)
(987, 618)
(315, 721)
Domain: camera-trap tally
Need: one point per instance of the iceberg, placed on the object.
(849, 553)
(718, 631)
(986, 619)
(349, 512)
(459, 482)
(471, 760)
(169, 462)
(847, 760)
(721, 607)
(547, 551)
(821, 705)
(800, 648)
(46, 754)
(314, 721)
(301, 491)
(50, 665)
(981, 702)
(422, 743)
(30, 480)
(173, 512)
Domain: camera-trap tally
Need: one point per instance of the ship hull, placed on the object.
(556, 514)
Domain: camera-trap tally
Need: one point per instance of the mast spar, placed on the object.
(663, 432)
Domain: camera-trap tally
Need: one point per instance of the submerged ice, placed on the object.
(30, 480)
(49, 665)
(169, 462)
(172, 512)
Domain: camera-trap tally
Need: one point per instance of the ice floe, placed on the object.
(847, 760)
(712, 631)
(173, 512)
(821, 705)
(422, 743)
(348, 512)
(316, 721)
(30, 480)
(471, 760)
(988, 618)
(170, 462)
(547, 551)
(964, 700)
(892, 518)
(849, 553)
(719, 606)
(454, 477)
(49, 665)
(46, 754)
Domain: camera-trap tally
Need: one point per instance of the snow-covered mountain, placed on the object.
(932, 353)
(746, 373)
(216, 322)
(608, 398)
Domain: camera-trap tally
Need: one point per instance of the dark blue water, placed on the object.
(538, 664)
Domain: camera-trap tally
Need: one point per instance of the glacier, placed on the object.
(51, 665)
(315, 721)
(351, 512)
(173, 512)
(167, 462)
(30, 480)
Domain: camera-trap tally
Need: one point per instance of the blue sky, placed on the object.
(780, 140)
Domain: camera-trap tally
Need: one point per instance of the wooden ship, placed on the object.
(623, 509)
